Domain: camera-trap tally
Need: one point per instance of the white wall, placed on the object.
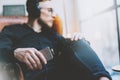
(71, 15)
(67, 9)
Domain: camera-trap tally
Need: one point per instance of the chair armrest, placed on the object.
(11, 71)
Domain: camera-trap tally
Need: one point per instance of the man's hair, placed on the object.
(33, 9)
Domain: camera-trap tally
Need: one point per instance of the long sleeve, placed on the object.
(6, 51)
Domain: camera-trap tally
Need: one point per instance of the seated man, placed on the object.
(72, 60)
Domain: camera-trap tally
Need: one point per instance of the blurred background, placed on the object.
(97, 20)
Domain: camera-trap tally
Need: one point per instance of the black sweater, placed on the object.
(22, 36)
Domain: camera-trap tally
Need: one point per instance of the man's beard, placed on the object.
(44, 26)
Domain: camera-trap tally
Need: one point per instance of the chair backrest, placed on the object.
(7, 20)
(57, 25)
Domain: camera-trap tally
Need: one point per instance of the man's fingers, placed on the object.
(76, 36)
(37, 64)
(37, 61)
(31, 56)
(28, 63)
(32, 61)
(41, 56)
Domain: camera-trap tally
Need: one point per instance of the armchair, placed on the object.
(12, 71)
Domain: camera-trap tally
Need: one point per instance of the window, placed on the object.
(118, 2)
(98, 23)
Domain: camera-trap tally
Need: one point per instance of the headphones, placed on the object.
(33, 8)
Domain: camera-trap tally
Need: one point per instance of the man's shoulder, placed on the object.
(16, 28)
(13, 27)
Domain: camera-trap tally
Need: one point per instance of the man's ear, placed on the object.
(57, 25)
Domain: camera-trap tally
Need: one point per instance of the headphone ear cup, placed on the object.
(32, 8)
(37, 10)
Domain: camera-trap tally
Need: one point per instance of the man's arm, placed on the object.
(6, 51)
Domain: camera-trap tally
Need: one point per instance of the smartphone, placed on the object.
(48, 53)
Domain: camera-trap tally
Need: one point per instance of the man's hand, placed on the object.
(76, 36)
(31, 57)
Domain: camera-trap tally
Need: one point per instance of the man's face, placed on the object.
(46, 13)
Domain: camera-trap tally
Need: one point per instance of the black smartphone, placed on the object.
(48, 53)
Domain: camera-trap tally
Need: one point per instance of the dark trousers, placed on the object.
(78, 61)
